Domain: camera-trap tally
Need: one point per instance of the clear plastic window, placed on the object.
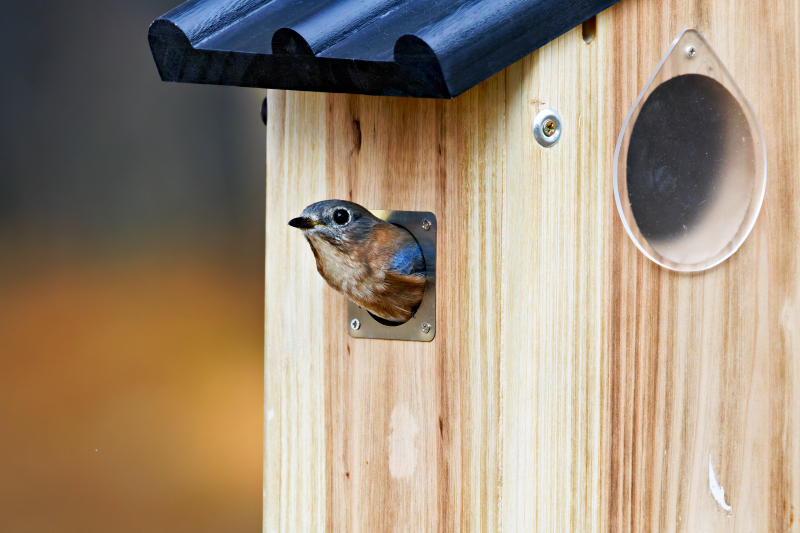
(690, 165)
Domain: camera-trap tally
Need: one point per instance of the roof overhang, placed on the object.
(418, 48)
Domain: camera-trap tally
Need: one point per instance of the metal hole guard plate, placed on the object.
(413, 330)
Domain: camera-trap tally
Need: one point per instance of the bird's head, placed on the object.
(336, 222)
(374, 263)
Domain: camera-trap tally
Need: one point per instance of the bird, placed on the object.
(374, 263)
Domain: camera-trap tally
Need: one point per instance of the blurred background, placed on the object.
(131, 281)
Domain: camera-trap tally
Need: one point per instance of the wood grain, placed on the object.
(573, 385)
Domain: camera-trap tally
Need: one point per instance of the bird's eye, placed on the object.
(341, 217)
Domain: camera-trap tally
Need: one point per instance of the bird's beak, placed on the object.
(303, 223)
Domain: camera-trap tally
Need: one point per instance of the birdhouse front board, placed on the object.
(573, 384)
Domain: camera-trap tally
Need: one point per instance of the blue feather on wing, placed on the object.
(408, 260)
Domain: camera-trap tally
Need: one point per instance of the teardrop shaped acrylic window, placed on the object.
(690, 163)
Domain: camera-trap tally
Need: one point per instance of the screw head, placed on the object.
(547, 127)
(355, 323)
(691, 51)
(426, 328)
(426, 225)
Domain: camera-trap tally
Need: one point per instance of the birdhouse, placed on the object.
(615, 339)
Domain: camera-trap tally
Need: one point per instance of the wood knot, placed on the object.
(356, 136)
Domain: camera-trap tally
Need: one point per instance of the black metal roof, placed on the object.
(422, 48)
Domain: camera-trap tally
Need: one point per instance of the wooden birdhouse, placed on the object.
(615, 343)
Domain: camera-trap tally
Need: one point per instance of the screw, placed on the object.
(355, 323)
(547, 127)
(426, 225)
(426, 328)
(691, 51)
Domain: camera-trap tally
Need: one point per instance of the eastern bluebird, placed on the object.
(376, 264)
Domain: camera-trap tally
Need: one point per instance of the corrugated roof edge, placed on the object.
(452, 46)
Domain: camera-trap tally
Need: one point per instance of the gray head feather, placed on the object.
(341, 220)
